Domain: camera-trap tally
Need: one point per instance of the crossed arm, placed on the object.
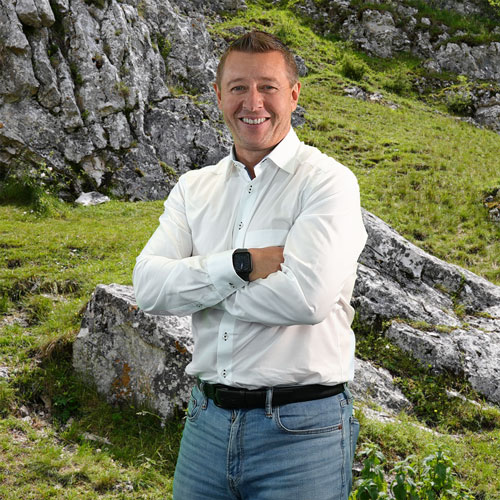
(297, 284)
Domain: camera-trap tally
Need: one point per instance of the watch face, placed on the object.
(242, 262)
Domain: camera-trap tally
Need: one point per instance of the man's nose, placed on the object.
(253, 99)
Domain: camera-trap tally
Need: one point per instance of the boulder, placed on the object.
(373, 384)
(131, 356)
(92, 198)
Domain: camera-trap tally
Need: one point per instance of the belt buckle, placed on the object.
(229, 399)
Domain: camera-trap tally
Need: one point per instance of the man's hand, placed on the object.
(265, 261)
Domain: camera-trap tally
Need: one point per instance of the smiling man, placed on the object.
(261, 249)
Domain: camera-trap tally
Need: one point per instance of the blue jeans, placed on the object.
(297, 451)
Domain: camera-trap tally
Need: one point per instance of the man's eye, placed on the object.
(238, 88)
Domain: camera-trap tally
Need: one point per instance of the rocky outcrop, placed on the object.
(112, 96)
(131, 356)
(395, 27)
(442, 315)
(385, 29)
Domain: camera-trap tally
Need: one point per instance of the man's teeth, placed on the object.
(254, 122)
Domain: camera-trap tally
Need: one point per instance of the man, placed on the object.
(261, 249)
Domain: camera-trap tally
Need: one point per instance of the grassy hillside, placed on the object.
(419, 168)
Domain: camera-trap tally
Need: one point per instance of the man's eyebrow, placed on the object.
(265, 79)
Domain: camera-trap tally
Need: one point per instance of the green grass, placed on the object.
(419, 168)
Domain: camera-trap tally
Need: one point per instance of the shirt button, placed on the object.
(224, 373)
(225, 337)
(240, 225)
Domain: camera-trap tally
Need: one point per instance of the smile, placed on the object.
(256, 121)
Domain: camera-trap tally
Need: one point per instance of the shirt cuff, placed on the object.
(222, 274)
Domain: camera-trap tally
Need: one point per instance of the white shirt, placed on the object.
(292, 327)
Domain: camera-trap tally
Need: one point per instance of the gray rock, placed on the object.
(17, 79)
(380, 35)
(471, 353)
(481, 62)
(92, 198)
(100, 77)
(375, 385)
(301, 66)
(48, 92)
(35, 13)
(488, 116)
(132, 356)
(184, 136)
(419, 295)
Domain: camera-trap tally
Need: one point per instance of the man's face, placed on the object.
(256, 100)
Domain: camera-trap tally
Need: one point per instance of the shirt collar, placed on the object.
(283, 155)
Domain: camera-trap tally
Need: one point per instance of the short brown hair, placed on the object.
(260, 42)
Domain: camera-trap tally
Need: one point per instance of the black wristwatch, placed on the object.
(242, 263)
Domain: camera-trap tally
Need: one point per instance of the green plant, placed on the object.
(431, 480)
(38, 308)
(164, 46)
(168, 170)
(398, 82)
(7, 397)
(459, 102)
(495, 4)
(352, 67)
(31, 186)
(76, 75)
(123, 89)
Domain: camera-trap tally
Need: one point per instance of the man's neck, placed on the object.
(251, 158)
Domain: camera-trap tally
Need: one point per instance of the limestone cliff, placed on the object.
(99, 91)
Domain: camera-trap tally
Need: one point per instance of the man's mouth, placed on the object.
(253, 121)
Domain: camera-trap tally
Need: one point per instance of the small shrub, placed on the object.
(399, 83)
(431, 480)
(164, 46)
(123, 89)
(459, 102)
(352, 68)
(33, 187)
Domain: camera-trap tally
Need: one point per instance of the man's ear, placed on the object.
(295, 95)
(218, 93)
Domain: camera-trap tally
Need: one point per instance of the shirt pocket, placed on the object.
(266, 238)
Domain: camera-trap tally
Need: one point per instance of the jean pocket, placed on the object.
(195, 404)
(310, 417)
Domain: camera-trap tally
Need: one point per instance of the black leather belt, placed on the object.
(232, 398)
